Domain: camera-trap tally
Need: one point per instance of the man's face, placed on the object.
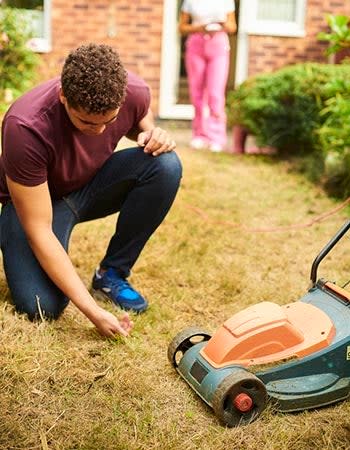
(90, 124)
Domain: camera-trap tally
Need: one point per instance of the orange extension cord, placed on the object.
(317, 219)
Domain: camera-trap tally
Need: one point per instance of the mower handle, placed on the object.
(326, 249)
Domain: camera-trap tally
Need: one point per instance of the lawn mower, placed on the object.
(296, 356)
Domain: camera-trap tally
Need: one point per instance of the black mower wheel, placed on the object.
(239, 399)
(183, 341)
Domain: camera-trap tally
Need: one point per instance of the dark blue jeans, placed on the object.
(141, 187)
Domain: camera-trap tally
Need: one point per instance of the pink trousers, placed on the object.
(207, 65)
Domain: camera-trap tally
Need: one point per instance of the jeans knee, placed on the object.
(170, 166)
(38, 309)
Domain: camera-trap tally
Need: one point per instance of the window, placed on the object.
(276, 17)
(37, 15)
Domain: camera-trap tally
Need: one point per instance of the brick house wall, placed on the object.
(133, 27)
(269, 53)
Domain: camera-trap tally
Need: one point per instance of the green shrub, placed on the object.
(282, 109)
(335, 130)
(17, 62)
(339, 36)
(335, 139)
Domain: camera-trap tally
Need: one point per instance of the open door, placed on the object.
(174, 97)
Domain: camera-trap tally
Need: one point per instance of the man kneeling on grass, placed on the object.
(58, 168)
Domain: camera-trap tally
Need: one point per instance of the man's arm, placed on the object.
(146, 124)
(154, 140)
(33, 207)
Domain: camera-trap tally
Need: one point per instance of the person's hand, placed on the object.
(108, 325)
(213, 27)
(156, 141)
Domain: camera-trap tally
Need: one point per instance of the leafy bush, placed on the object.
(17, 62)
(282, 109)
(335, 131)
(335, 139)
(339, 36)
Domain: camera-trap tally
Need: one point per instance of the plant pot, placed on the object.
(239, 136)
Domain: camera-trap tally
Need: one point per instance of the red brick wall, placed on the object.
(133, 27)
(270, 53)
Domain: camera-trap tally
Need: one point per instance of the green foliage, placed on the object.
(17, 62)
(28, 4)
(335, 132)
(282, 109)
(339, 37)
(335, 138)
(301, 110)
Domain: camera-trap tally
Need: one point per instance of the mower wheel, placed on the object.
(183, 341)
(239, 399)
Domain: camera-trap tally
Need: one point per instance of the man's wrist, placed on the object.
(90, 309)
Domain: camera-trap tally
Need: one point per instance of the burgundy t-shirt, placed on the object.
(40, 143)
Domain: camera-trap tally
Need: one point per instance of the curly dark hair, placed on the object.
(93, 78)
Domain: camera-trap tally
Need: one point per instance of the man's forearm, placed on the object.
(146, 124)
(133, 133)
(58, 266)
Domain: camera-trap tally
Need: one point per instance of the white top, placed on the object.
(208, 11)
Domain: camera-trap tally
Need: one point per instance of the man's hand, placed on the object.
(108, 325)
(156, 141)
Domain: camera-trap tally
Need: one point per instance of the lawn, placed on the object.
(242, 230)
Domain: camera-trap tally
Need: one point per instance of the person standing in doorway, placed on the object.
(207, 24)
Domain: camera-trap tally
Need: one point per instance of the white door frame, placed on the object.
(169, 69)
(170, 60)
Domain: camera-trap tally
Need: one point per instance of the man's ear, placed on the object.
(63, 99)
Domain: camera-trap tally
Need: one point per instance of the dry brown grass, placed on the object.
(63, 387)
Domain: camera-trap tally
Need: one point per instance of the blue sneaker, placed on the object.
(113, 287)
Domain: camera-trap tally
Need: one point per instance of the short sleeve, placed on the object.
(186, 7)
(136, 105)
(23, 154)
(230, 6)
(143, 106)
